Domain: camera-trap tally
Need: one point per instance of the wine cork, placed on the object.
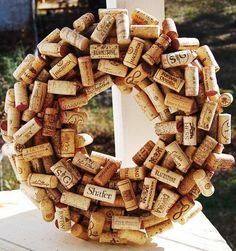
(225, 99)
(100, 85)
(118, 202)
(189, 130)
(37, 97)
(23, 169)
(143, 153)
(37, 152)
(179, 125)
(168, 80)
(79, 231)
(134, 173)
(210, 81)
(191, 75)
(42, 180)
(13, 121)
(63, 66)
(27, 131)
(207, 115)
(87, 179)
(86, 163)
(203, 182)
(43, 76)
(104, 51)
(112, 67)
(35, 193)
(37, 166)
(96, 224)
(187, 183)
(73, 102)
(134, 52)
(103, 28)
(180, 209)
(179, 102)
(126, 222)
(111, 238)
(169, 28)
(75, 200)
(52, 37)
(138, 74)
(153, 54)
(157, 99)
(23, 66)
(86, 71)
(47, 163)
(62, 87)
(67, 139)
(191, 213)
(103, 158)
(185, 43)
(74, 38)
(21, 96)
(151, 220)
(219, 148)
(127, 194)
(49, 122)
(83, 22)
(206, 57)
(166, 176)
(178, 58)
(82, 140)
(133, 236)
(105, 173)
(220, 160)
(10, 99)
(62, 216)
(53, 194)
(100, 193)
(74, 118)
(190, 151)
(204, 150)
(47, 210)
(139, 16)
(155, 155)
(3, 129)
(122, 29)
(110, 212)
(111, 11)
(146, 105)
(53, 49)
(31, 73)
(224, 128)
(179, 157)
(165, 200)
(148, 193)
(122, 86)
(65, 173)
(149, 31)
(27, 115)
(159, 228)
(168, 162)
(167, 127)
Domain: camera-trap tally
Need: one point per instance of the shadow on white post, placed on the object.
(132, 128)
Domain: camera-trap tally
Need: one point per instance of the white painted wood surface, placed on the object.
(22, 228)
(132, 128)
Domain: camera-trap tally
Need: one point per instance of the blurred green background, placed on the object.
(212, 21)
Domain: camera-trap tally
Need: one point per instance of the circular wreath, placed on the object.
(174, 82)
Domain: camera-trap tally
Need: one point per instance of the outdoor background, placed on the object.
(23, 23)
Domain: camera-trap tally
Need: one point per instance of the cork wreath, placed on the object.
(173, 80)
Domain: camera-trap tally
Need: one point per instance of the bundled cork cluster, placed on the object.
(173, 80)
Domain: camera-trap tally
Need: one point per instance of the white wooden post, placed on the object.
(132, 128)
